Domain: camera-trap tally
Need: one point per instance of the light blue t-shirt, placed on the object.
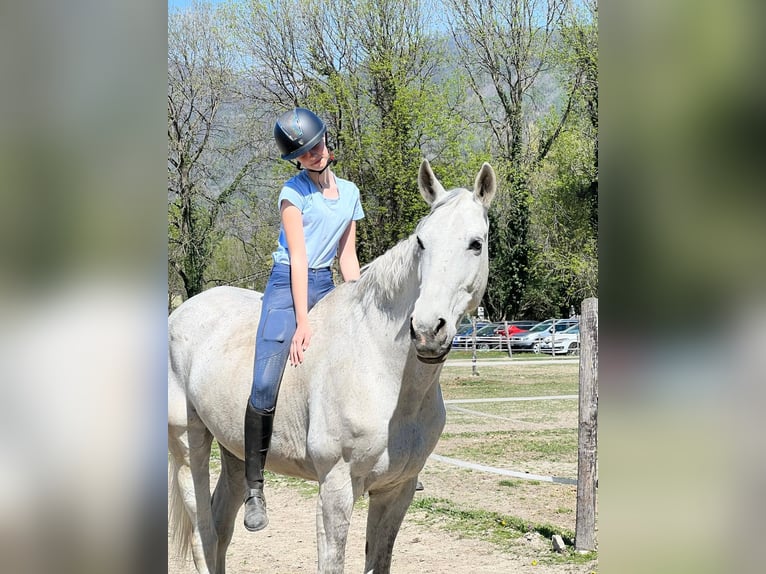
(324, 220)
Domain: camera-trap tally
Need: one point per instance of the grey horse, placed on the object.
(361, 414)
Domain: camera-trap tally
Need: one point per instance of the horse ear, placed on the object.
(485, 185)
(430, 188)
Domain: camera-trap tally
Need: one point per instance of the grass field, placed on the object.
(515, 356)
(514, 380)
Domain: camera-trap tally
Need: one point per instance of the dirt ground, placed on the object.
(288, 544)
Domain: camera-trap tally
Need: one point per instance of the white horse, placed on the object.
(364, 410)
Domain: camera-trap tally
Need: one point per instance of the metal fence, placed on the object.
(503, 343)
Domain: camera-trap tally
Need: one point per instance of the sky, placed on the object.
(184, 3)
(178, 3)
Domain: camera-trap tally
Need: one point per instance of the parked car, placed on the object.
(530, 341)
(467, 329)
(564, 343)
(515, 327)
(486, 338)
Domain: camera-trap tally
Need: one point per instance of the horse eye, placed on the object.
(475, 245)
(420, 243)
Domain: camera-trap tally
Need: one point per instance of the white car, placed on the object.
(532, 339)
(564, 343)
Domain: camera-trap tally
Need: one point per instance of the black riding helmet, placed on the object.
(297, 131)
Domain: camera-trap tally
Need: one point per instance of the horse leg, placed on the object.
(197, 493)
(184, 443)
(334, 508)
(227, 498)
(385, 515)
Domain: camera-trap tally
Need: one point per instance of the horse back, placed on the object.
(211, 349)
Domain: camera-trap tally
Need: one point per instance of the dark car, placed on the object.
(466, 329)
(485, 338)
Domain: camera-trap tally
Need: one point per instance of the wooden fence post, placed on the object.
(585, 528)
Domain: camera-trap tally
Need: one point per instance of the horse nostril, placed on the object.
(413, 336)
(440, 325)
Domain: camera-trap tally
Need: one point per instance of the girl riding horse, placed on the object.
(319, 212)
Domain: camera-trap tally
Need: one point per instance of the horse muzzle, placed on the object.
(431, 345)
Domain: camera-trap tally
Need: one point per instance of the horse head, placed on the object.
(452, 259)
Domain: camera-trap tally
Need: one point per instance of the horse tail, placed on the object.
(180, 524)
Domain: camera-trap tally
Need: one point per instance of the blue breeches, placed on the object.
(276, 329)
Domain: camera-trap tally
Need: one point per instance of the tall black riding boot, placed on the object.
(257, 439)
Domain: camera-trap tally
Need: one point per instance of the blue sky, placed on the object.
(178, 3)
(185, 3)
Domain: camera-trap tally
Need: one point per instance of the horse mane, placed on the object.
(383, 278)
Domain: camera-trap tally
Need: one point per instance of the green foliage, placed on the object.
(506, 56)
(231, 265)
(393, 89)
(211, 154)
(509, 249)
(564, 228)
(564, 214)
(192, 240)
(403, 116)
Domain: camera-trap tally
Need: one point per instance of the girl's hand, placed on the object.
(300, 343)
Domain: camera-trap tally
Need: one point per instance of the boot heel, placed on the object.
(255, 510)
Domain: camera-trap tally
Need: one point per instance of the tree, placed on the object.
(564, 259)
(512, 82)
(367, 68)
(202, 147)
(398, 63)
(507, 48)
(581, 39)
(564, 215)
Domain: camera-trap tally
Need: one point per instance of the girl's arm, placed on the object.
(347, 258)
(292, 222)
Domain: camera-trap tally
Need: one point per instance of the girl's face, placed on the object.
(316, 158)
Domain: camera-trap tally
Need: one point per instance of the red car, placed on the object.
(515, 327)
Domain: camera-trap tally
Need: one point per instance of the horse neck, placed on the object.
(390, 284)
(388, 289)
